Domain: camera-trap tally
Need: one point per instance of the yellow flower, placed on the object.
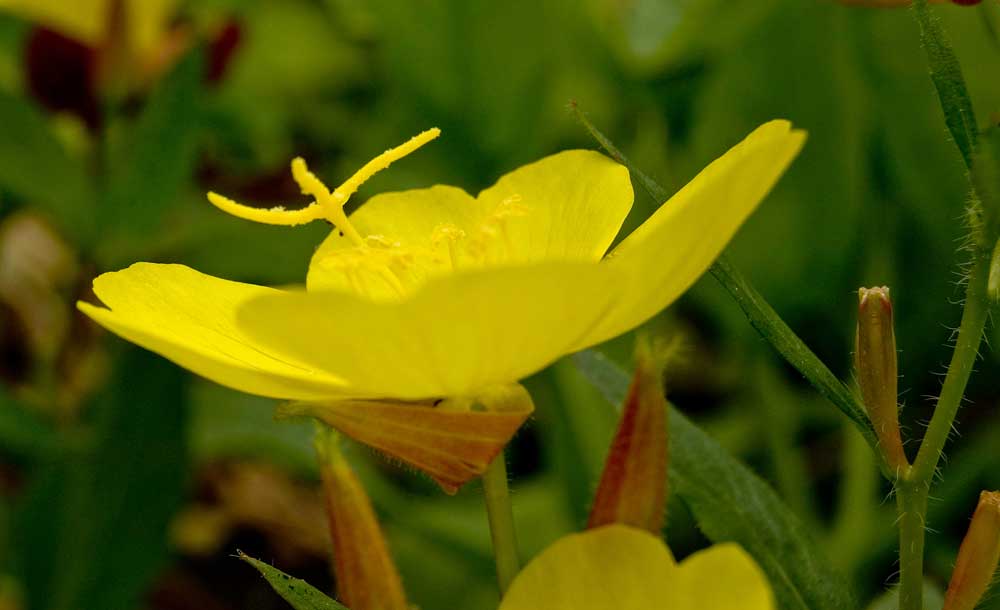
(617, 567)
(434, 294)
(89, 21)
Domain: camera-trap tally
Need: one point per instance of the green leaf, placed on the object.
(731, 503)
(298, 593)
(91, 530)
(946, 73)
(149, 175)
(21, 433)
(36, 167)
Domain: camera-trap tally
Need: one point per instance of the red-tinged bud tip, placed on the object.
(876, 368)
(366, 575)
(978, 556)
(633, 486)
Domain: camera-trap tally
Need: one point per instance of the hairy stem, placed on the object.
(911, 499)
(970, 335)
(501, 518)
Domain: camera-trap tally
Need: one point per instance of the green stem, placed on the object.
(970, 335)
(911, 498)
(501, 518)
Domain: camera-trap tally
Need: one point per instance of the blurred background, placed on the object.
(126, 482)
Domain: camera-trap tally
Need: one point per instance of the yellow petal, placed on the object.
(148, 21)
(87, 21)
(566, 207)
(609, 568)
(459, 334)
(189, 318)
(575, 202)
(722, 577)
(678, 243)
(82, 20)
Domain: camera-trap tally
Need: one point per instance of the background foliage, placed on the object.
(127, 483)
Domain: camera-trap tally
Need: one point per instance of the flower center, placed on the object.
(385, 268)
(327, 205)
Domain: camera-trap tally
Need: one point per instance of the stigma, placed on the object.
(327, 205)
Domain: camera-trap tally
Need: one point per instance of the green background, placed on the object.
(94, 473)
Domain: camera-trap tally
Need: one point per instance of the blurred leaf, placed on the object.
(292, 61)
(36, 167)
(158, 160)
(297, 592)
(731, 503)
(227, 424)
(21, 433)
(91, 530)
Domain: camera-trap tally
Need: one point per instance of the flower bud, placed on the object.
(978, 556)
(875, 361)
(364, 570)
(633, 487)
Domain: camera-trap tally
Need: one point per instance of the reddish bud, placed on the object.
(453, 440)
(978, 556)
(633, 487)
(875, 362)
(366, 575)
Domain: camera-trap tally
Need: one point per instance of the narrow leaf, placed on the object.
(946, 73)
(731, 503)
(299, 594)
(91, 529)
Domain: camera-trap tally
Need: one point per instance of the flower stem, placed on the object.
(911, 498)
(970, 335)
(501, 518)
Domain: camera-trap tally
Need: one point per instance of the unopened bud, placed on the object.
(633, 487)
(366, 575)
(875, 361)
(978, 556)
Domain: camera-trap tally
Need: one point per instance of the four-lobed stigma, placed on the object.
(327, 205)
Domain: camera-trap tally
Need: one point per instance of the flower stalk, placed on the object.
(500, 514)
(911, 502)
